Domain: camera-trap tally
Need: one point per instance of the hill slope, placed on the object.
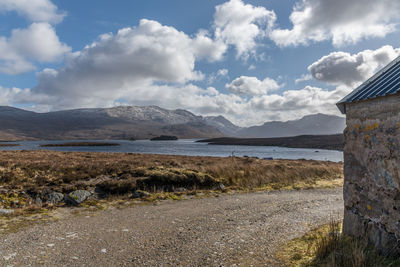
(109, 123)
(318, 124)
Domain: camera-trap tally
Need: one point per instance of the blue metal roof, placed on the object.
(385, 82)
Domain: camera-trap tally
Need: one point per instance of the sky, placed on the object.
(251, 61)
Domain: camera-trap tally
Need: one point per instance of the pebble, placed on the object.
(10, 256)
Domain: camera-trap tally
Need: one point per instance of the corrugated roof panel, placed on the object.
(379, 85)
(385, 82)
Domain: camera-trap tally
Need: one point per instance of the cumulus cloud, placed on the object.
(220, 74)
(37, 43)
(245, 85)
(343, 21)
(303, 78)
(207, 48)
(240, 25)
(10, 96)
(122, 64)
(34, 10)
(340, 68)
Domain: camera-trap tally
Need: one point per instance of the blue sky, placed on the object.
(251, 61)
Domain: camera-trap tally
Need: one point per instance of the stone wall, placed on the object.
(372, 172)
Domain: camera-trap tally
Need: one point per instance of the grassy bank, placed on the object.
(327, 246)
(26, 175)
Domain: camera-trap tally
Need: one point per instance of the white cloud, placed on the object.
(343, 21)
(37, 43)
(252, 67)
(222, 72)
(245, 85)
(10, 96)
(34, 10)
(303, 78)
(240, 24)
(340, 68)
(207, 48)
(123, 65)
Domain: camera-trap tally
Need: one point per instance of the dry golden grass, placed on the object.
(327, 246)
(38, 172)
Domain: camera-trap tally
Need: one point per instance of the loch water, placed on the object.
(189, 148)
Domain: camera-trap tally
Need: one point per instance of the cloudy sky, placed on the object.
(249, 60)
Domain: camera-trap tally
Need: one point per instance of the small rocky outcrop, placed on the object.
(77, 197)
(6, 211)
(55, 198)
(140, 194)
(38, 201)
(180, 190)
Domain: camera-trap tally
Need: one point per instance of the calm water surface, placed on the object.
(189, 148)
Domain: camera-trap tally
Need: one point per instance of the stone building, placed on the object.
(372, 160)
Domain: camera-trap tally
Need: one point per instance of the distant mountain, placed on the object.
(317, 124)
(222, 124)
(133, 122)
(122, 122)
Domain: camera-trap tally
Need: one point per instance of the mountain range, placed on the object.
(134, 122)
(317, 124)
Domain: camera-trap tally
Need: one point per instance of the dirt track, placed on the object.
(241, 229)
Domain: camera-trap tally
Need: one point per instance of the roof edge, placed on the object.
(342, 107)
(341, 103)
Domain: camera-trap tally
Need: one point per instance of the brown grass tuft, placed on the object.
(327, 246)
(36, 172)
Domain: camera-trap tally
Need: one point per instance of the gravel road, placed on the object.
(231, 230)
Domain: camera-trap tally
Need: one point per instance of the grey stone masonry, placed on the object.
(372, 172)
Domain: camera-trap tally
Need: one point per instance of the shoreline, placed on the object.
(327, 142)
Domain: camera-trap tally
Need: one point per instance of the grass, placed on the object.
(327, 246)
(31, 174)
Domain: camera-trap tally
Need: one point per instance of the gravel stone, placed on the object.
(240, 229)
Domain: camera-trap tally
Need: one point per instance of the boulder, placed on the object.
(77, 197)
(6, 211)
(55, 198)
(140, 194)
(180, 189)
(221, 187)
(38, 201)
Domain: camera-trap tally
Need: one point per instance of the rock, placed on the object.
(180, 189)
(38, 201)
(221, 187)
(55, 197)
(77, 197)
(140, 194)
(6, 211)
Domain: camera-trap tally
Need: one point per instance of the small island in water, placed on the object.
(164, 138)
(80, 144)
